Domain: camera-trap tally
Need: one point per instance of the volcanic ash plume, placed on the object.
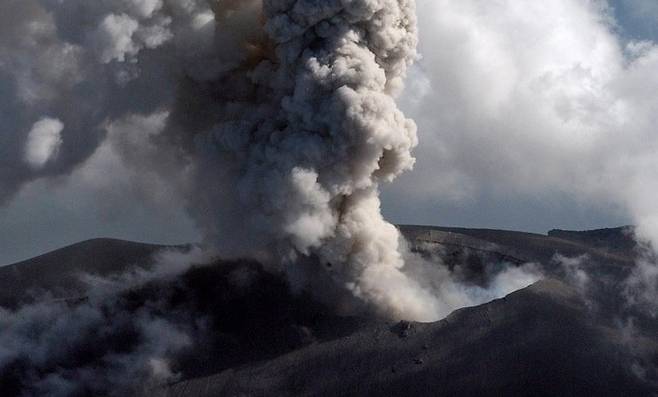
(302, 132)
(273, 121)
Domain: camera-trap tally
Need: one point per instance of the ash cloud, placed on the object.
(303, 132)
(279, 121)
(274, 122)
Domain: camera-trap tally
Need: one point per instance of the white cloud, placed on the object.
(530, 99)
(117, 192)
(43, 141)
(114, 38)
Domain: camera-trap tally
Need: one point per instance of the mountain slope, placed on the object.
(539, 341)
(57, 272)
(541, 248)
(261, 338)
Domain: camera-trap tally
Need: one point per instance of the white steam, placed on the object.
(275, 124)
(446, 290)
(43, 141)
(98, 344)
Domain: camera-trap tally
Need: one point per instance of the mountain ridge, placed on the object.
(263, 338)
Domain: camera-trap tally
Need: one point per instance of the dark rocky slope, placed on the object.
(539, 341)
(57, 272)
(616, 249)
(259, 338)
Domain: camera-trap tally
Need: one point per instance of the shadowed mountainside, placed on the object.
(616, 248)
(57, 272)
(539, 341)
(262, 339)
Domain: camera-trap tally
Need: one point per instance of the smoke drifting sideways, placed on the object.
(116, 339)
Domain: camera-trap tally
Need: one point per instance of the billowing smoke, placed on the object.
(290, 136)
(295, 139)
(275, 121)
(198, 100)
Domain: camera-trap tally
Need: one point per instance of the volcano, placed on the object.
(263, 338)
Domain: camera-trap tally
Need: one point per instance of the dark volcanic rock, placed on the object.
(57, 272)
(618, 240)
(532, 247)
(245, 323)
(536, 342)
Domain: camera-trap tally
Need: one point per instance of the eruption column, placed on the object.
(304, 129)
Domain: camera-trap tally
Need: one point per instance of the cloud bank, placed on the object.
(546, 101)
(520, 99)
